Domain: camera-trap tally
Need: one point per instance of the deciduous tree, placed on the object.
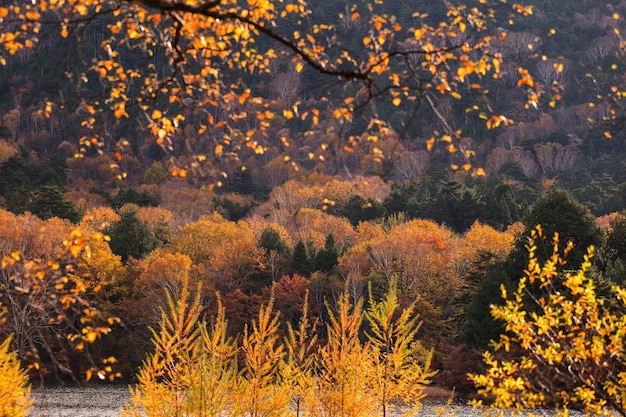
(399, 376)
(566, 344)
(14, 387)
(49, 310)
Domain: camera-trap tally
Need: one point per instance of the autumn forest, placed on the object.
(264, 207)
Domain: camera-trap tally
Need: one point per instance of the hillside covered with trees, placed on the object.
(355, 156)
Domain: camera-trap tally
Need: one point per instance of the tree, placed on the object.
(259, 390)
(48, 201)
(130, 236)
(277, 252)
(165, 374)
(615, 250)
(14, 388)
(327, 257)
(400, 377)
(50, 313)
(164, 273)
(559, 211)
(566, 344)
(186, 56)
(300, 261)
(344, 365)
(297, 371)
(225, 253)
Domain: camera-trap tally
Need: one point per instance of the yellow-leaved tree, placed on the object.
(196, 369)
(14, 386)
(398, 374)
(345, 373)
(563, 343)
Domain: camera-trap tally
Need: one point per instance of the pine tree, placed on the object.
(213, 370)
(328, 257)
(300, 261)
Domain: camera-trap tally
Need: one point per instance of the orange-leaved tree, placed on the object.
(49, 309)
(182, 68)
(564, 342)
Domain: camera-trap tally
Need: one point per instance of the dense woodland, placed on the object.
(318, 211)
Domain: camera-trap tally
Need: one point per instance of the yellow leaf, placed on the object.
(91, 336)
(81, 9)
(299, 67)
(496, 65)
(120, 111)
(396, 101)
(419, 34)
(430, 143)
(608, 135)
(157, 114)
(288, 114)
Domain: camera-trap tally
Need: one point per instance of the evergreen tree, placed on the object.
(327, 258)
(559, 212)
(300, 261)
(270, 240)
(358, 209)
(615, 251)
(131, 237)
(49, 201)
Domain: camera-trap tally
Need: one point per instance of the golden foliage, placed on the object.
(314, 225)
(99, 218)
(567, 341)
(194, 368)
(226, 251)
(398, 375)
(14, 387)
